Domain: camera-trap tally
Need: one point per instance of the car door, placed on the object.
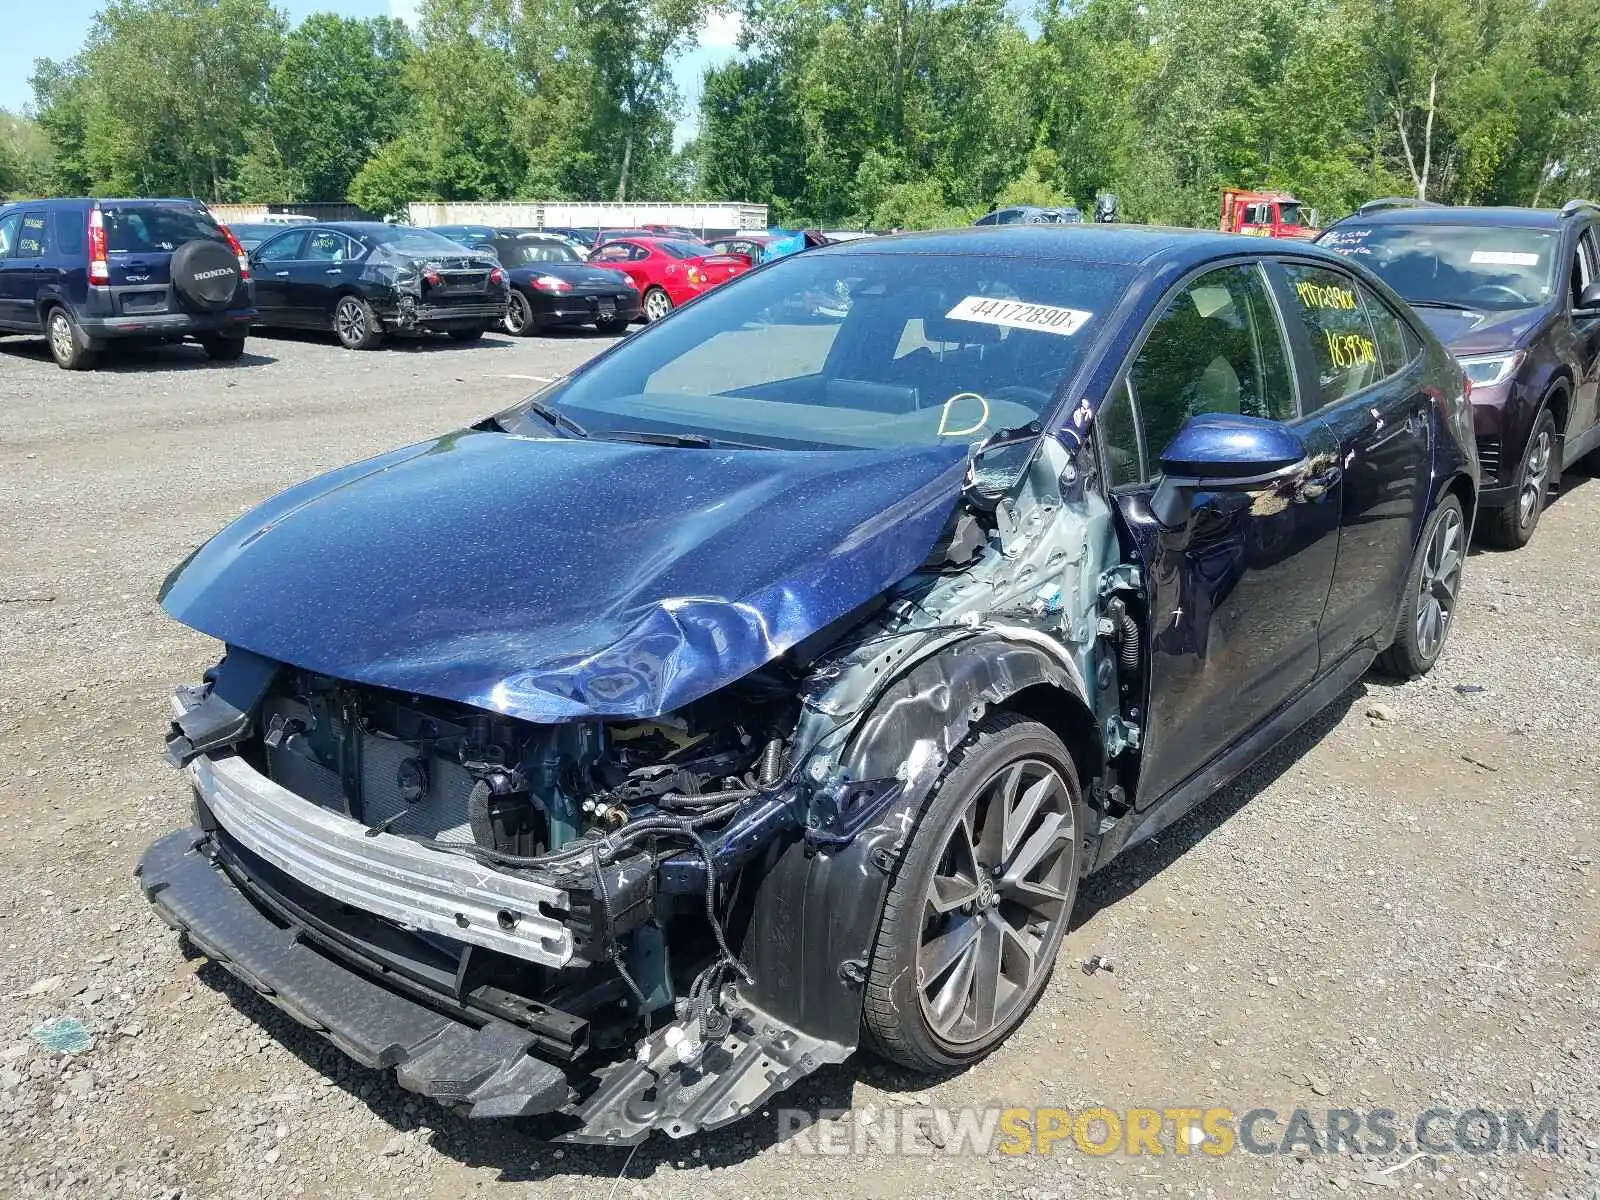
(1236, 586)
(271, 266)
(323, 268)
(1379, 413)
(25, 267)
(1580, 431)
(11, 298)
(627, 257)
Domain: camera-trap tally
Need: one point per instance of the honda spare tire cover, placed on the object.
(206, 274)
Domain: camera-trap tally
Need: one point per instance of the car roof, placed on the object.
(1501, 217)
(1111, 244)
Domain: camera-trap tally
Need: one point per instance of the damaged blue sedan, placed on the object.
(767, 688)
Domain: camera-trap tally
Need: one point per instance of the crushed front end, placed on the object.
(627, 924)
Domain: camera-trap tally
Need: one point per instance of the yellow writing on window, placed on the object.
(1316, 295)
(1350, 349)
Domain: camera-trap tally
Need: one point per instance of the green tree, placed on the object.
(335, 97)
(24, 157)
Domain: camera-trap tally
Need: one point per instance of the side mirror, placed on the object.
(1218, 452)
(1589, 298)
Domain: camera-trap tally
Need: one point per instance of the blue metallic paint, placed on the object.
(1228, 445)
(555, 579)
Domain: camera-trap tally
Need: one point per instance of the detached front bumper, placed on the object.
(484, 1067)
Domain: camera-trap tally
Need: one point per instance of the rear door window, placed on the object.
(325, 245)
(156, 228)
(1397, 346)
(9, 225)
(1344, 347)
(33, 236)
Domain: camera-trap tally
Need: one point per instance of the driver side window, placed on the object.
(282, 249)
(1217, 347)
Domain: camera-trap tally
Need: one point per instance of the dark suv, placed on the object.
(1515, 295)
(84, 272)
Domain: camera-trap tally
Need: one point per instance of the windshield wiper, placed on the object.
(698, 441)
(555, 417)
(1441, 304)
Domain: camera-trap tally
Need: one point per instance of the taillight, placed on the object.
(552, 283)
(497, 277)
(99, 268)
(432, 278)
(696, 275)
(244, 259)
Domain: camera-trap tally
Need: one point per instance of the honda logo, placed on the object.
(218, 273)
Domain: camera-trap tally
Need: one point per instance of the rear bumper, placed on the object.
(234, 322)
(581, 309)
(404, 314)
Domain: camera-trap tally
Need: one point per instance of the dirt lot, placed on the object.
(1399, 910)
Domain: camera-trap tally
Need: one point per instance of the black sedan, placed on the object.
(552, 285)
(365, 279)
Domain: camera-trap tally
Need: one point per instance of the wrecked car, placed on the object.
(366, 279)
(766, 689)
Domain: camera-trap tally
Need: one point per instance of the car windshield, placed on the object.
(414, 241)
(1481, 266)
(681, 250)
(143, 228)
(515, 253)
(1288, 214)
(849, 349)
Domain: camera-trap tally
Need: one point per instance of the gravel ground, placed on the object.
(1398, 909)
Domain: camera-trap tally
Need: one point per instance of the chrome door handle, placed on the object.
(334, 271)
(280, 274)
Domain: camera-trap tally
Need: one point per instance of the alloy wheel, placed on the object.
(997, 902)
(1441, 577)
(61, 335)
(516, 314)
(350, 322)
(657, 305)
(1535, 477)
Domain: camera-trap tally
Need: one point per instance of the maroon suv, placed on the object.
(1514, 293)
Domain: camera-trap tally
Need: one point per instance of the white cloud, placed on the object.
(404, 10)
(720, 30)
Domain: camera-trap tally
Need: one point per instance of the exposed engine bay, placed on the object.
(642, 923)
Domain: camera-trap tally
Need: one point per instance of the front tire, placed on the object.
(1432, 586)
(355, 324)
(657, 304)
(519, 320)
(1511, 527)
(68, 345)
(980, 902)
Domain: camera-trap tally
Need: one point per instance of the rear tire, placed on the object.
(71, 349)
(1511, 527)
(657, 304)
(519, 319)
(980, 901)
(222, 348)
(467, 335)
(1432, 587)
(355, 324)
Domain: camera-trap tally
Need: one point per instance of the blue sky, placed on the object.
(56, 30)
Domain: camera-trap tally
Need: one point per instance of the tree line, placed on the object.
(871, 113)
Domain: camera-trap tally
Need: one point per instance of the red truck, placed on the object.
(1266, 214)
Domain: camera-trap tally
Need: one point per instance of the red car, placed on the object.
(668, 272)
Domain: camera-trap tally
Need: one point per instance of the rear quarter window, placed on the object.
(157, 228)
(71, 232)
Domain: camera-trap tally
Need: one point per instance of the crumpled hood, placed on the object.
(556, 579)
(1483, 332)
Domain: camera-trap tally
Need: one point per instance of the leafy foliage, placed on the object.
(865, 112)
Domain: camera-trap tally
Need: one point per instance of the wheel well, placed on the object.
(1463, 490)
(1558, 401)
(1066, 716)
